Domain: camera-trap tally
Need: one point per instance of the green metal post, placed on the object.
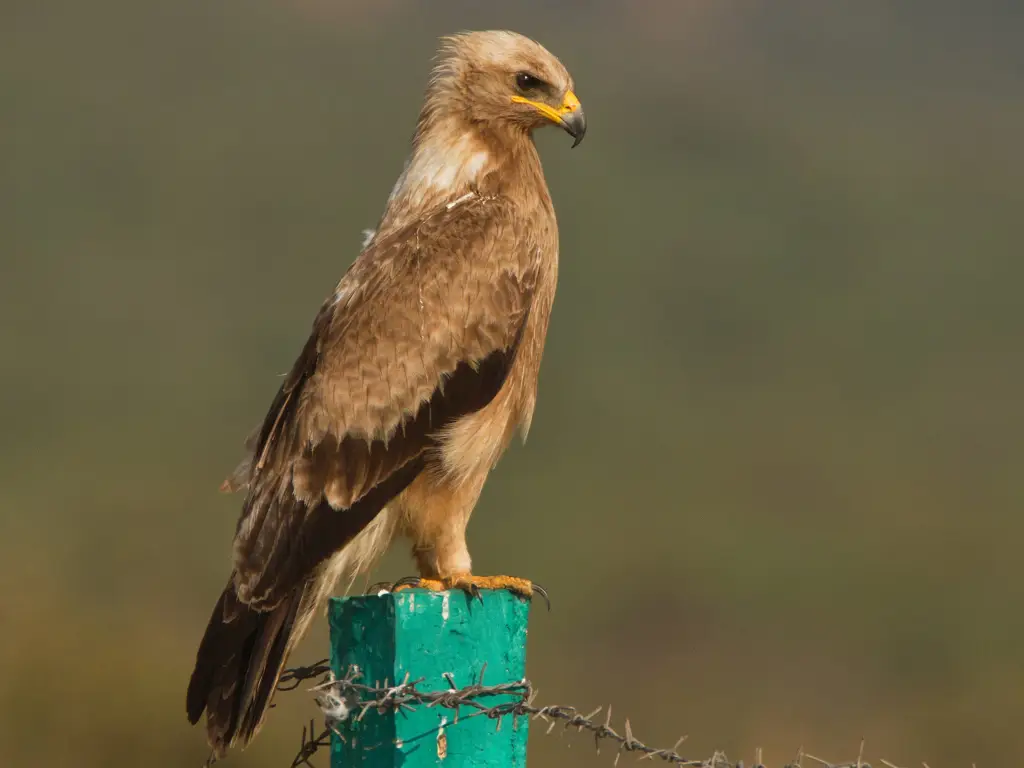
(427, 634)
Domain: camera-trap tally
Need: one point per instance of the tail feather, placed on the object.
(267, 662)
(243, 651)
(238, 665)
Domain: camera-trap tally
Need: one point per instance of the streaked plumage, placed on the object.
(419, 369)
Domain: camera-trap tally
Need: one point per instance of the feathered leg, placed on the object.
(434, 514)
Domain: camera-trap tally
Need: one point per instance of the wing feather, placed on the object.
(420, 331)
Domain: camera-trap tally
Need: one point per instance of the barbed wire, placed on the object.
(343, 698)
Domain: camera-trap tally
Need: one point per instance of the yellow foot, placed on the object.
(472, 585)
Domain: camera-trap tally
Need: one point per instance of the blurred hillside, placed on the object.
(774, 480)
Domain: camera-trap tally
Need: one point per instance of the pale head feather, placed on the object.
(469, 121)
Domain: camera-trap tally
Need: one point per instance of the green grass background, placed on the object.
(774, 481)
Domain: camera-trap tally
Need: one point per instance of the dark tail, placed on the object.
(238, 665)
(244, 650)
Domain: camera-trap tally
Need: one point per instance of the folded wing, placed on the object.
(421, 330)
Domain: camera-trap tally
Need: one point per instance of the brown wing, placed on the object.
(422, 329)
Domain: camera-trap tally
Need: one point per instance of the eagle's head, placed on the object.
(501, 78)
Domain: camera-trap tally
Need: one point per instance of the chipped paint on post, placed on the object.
(426, 634)
(442, 740)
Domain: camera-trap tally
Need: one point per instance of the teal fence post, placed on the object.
(428, 634)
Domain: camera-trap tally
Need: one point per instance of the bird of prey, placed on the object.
(420, 368)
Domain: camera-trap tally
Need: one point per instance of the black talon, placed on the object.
(543, 593)
(407, 581)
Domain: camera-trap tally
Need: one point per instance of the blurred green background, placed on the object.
(774, 481)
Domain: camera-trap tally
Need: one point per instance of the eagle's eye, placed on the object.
(527, 82)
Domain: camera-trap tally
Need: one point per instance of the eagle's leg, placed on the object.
(435, 513)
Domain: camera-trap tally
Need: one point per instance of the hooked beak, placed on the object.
(575, 124)
(569, 115)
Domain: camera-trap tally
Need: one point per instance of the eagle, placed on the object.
(420, 368)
